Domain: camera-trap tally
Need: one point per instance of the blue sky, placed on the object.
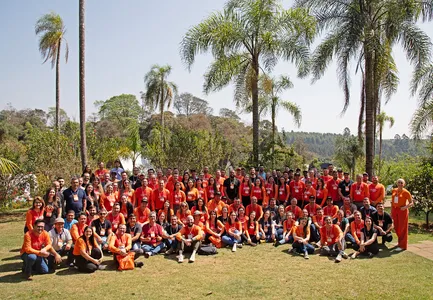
(125, 38)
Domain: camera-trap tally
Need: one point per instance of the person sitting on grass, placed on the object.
(170, 235)
(152, 236)
(121, 245)
(251, 230)
(267, 228)
(279, 219)
(356, 228)
(61, 242)
(301, 237)
(289, 223)
(343, 222)
(368, 244)
(332, 240)
(383, 223)
(189, 238)
(233, 232)
(70, 220)
(102, 229)
(35, 250)
(88, 256)
(134, 229)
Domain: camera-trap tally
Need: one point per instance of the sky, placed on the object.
(125, 38)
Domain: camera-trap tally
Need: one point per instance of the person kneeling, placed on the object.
(332, 240)
(189, 238)
(368, 245)
(120, 245)
(88, 256)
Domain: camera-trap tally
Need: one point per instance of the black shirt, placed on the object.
(172, 230)
(98, 226)
(133, 230)
(342, 186)
(232, 185)
(383, 221)
(368, 234)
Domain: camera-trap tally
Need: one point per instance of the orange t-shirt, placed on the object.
(330, 211)
(297, 189)
(142, 216)
(190, 233)
(359, 191)
(377, 192)
(257, 208)
(116, 220)
(177, 197)
(312, 209)
(235, 226)
(159, 197)
(332, 187)
(355, 229)
(77, 230)
(32, 216)
(331, 235)
(140, 193)
(307, 193)
(33, 244)
(245, 190)
(400, 199)
(288, 225)
(258, 192)
(300, 231)
(192, 195)
(80, 244)
(297, 212)
(253, 228)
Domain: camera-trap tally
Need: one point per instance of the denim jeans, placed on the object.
(172, 244)
(32, 262)
(315, 233)
(230, 240)
(136, 245)
(301, 248)
(279, 234)
(349, 238)
(154, 250)
(288, 240)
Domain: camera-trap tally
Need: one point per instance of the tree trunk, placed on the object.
(369, 110)
(361, 110)
(255, 96)
(161, 109)
(82, 84)
(273, 131)
(56, 126)
(380, 149)
(376, 106)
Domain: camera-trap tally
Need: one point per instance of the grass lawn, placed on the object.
(261, 272)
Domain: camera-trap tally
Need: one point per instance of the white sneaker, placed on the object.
(234, 247)
(180, 259)
(353, 256)
(398, 249)
(239, 245)
(192, 258)
(338, 258)
(306, 255)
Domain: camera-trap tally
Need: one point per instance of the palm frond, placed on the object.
(7, 166)
(294, 110)
(422, 120)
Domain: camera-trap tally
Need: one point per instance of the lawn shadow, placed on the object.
(13, 278)
(171, 257)
(15, 250)
(10, 267)
(16, 257)
(67, 271)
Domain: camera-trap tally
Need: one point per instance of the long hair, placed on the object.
(47, 194)
(91, 239)
(214, 186)
(187, 188)
(305, 227)
(322, 181)
(37, 198)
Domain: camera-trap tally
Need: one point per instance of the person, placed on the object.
(273, 208)
(332, 188)
(201, 186)
(242, 217)
(245, 191)
(151, 237)
(126, 189)
(121, 245)
(189, 239)
(91, 199)
(236, 205)
(366, 209)
(233, 232)
(401, 202)
(365, 178)
(101, 171)
(368, 243)
(382, 221)
(271, 188)
(35, 250)
(142, 212)
(183, 213)
(143, 191)
(91, 215)
(359, 191)
(318, 221)
(344, 224)
(117, 170)
(330, 209)
(258, 190)
(349, 209)
(52, 208)
(224, 215)
(251, 230)
(297, 187)
(283, 191)
(214, 229)
(254, 207)
(231, 186)
(134, 229)
(344, 187)
(116, 217)
(77, 229)
(201, 208)
(308, 192)
(267, 228)
(356, 228)
(135, 177)
(301, 237)
(74, 197)
(102, 229)
(216, 204)
(191, 193)
(70, 220)
(295, 209)
(332, 240)
(377, 191)
(279, 219)
(321, 192)
(162, 220)
(287, 237)
(108, 198)
(61, 241)
(178, 196)
(170, 233)
(326, 177)
(126, 207)
(312, 206)
(87, 255)
(36, 212)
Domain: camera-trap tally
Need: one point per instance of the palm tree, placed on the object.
(7, 166)
(159, 92)
(365, 31)
(82, 44)
(381, 119)
(270, 102)
(422, 84)
(247, 38)
(51, 31)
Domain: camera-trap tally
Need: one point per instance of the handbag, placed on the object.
(126, 262)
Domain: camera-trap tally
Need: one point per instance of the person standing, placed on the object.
(401, 202)
(231, 187)
(75, 197)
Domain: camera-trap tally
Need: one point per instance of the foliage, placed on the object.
(51, 117)
(401, 166)
(348, 151)
(228, 113)
(187, 104)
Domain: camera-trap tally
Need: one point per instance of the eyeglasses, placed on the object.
(39, 226)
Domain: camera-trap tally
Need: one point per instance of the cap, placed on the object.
(144, 200)
(218, 193)
(197, 213)
(59, 220)
(365, 174)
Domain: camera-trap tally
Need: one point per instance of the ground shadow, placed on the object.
(67, 271)
(13, 278)
(11, 267)
(16, 257)
(15, 250)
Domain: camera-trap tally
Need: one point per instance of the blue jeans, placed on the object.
(315, 233)
(349, 238)
(154, 250)
(32, 262)
(172, 244)
(279, 233)
(288, 240)
(301, 248)
(230, 240)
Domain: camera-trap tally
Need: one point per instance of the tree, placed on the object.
(228, 113)
(348, 150)
(123, 110)
(422, 84)
(187, 104)
(159, 92)
(82, 44)
(51, 31)
(380, 120)
(62, 117)
(7, 166)
(421, 186)
(247, 38)
(366, 31)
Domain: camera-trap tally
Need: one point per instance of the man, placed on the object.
(116, 217)
(344, 187)
(343, 222)
(330, 209)
(253, 176)
(316, 225)
(308, 192)
(312, 207)
(382, 221)
(121, 244)
(219, 180)
(151, 237)
(117, 169)
(61, 181)
(206, 173)
(197, 220)
(61, 241)
(159, 196)
(189, 238)
(102, 229)
(231, 186)
(70, 220)
(75, 197)
(216, 204)
(35, 250)
(134, 178)
(101, 171)
(140, 193)
(365, 178)
(86, 179)
(235, 205)
(77, 229)
(332, 187)
(326, 175)
(238, 175)
(330, 169)
(377, 191)
(262, 173)
(311, 177)
(367, 209)
(134, 229)
(332, 240)
(170, 233)
(272, 207)
(349, 209)
(107, 180)
(254, 207)
(359, 191)
(142, 212)
(295, 209)
(297, 187)
(92, 215)
(340, 174)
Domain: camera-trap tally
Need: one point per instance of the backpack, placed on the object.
(207, 250)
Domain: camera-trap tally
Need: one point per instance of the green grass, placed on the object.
(262, 272)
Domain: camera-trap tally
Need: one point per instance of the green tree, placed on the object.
(365, 31)
(82, 81)
(381, 119)
(248, 37)
(228, 113)
(422, 84)
(124, 110)
(187, 104)
(51, 31)
(7, 166)
(62, 117)
(348, 150)
(159, 92)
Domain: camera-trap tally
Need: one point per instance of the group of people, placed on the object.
(107, 211)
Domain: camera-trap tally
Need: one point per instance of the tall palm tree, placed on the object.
(422, 84)
(82, 44)
(159, 92)
(364, 31)
(381, 119)
(51, 31)
(247, 38)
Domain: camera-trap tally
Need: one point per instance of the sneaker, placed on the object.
(253, 244)
(344, 255)
(102, 267)
(139, 264)
(353, 256)
(338, 258)
(240, 245)
(398, 249)
(169, 251)
(234, 247)
(180, 259)
(290, 251)
(370, 255)
(147, 254)
(306, 255)
(192, 258)
(277, 243)
(71, 265)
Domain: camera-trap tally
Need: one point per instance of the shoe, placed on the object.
(192, 258)
(306, 255)
(344, 255)
(169, 251)
(71, 265)
(370, 255)
(253, 244)
(234, 247)
(277, 243)
(139, 264)
(102, 267)
(240, 245)
(338, 258)
(353, 256)
(180, 259)
(147, 254)
(398, 249)
(290, 251)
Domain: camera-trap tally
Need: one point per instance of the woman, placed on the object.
(356, 228)
(233, 232)
(36, 212)
(283, 191)
(251, 227)
(259, 191)
(97, 188)
(287, 237)
(108, 198)
(91, 199)
(321, 192)
(167, 211)
(178, 196)
(52, 208)
(201, 190)
(211, 189)
(401, 202)
(267, 228)
(202, 208)
(241, 215)
(368, 245)
(279, 222)
(87, 255)
(224, 215)
(126, 207)
(127, 190)
(271, 188)
(191, 194)
(301, 237)
(162, 220)
(214, 229)
(183, 213)
(185, 179)
(245, 191)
